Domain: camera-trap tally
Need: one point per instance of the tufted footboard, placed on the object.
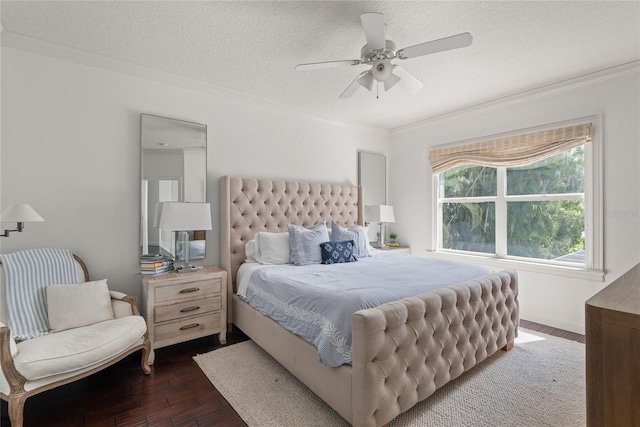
(404, 350)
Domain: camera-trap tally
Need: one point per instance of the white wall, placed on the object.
(552, 300)
(71, 148)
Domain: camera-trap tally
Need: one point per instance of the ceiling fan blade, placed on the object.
(373, 26)
(411, 83)
(355, 84)
(391, 82)
(435, 46)
(328, 64)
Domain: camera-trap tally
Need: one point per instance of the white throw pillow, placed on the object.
(73, 306)
(272, 248)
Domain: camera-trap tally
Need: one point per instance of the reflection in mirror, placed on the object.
(372, 177)
(173, 169)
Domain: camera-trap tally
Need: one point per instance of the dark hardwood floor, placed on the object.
(176, 393)
(552, 331)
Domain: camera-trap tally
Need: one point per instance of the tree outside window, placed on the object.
(533, 211)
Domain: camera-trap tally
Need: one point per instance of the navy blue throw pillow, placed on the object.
(337, 252)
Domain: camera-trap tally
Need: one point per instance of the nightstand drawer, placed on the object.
(187, 329)
(186, 309)
(187, 289)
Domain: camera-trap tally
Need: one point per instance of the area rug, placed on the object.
(541, 382)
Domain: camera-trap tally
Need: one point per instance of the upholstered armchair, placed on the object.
(73, 352)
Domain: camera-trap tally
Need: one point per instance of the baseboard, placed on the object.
(556, 323)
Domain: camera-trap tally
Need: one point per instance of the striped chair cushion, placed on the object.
(28, 274)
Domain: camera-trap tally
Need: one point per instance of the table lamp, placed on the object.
(184, 217)
(382, 214)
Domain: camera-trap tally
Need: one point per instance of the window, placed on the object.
(536, 209)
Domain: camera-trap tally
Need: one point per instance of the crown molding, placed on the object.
(65, 53)
(539, 92)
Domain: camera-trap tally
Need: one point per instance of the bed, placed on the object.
(402, 351)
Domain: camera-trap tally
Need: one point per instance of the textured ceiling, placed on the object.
(253, 47)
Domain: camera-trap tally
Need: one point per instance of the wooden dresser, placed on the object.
(182, 306)
(613, 353)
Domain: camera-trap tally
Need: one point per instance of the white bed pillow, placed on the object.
(305, 243)
(73, 306)
(357, 233)
(250, 250)
(272, 248)
(366, 236)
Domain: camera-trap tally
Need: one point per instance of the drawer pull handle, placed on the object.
(188, 290)
(190, 326)
(188, 309)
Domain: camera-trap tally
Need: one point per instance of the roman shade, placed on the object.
(510, 150)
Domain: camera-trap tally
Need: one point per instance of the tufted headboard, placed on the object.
(251, 205)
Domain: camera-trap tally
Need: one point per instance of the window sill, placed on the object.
(502, 263)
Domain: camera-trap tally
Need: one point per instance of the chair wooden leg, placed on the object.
(16, 409)
(147, 358)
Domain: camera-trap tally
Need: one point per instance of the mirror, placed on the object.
(173, 169)
(372, 177)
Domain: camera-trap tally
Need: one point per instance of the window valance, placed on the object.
(510, 150)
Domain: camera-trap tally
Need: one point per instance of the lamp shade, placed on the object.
(20, 212)
(366, 81)
(380, 213)
(382, 69)
(391, 81)
(185, 216)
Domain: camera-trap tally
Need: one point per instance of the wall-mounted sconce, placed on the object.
(19, 213)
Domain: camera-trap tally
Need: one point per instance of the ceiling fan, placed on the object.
(378, 52)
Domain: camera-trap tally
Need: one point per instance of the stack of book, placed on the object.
(155, 264)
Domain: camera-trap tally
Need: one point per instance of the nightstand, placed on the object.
(180, 307)
(397, 249)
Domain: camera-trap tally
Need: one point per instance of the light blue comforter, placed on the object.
(316, 301)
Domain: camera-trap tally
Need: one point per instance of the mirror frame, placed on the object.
(173, 167)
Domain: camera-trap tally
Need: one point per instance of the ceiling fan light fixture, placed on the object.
(366, 81)
(381, 70)
(378, 53)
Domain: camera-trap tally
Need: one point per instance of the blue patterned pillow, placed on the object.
(337, 252)
(305, 243)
